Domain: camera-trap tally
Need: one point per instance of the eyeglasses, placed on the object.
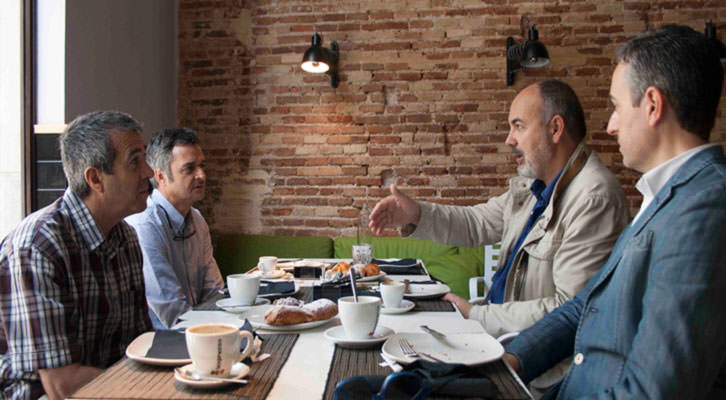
(180, 234)
(399, 386)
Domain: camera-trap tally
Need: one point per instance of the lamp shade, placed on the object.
(316, 58)
(320, 60)
(529, 54)
(535, 55)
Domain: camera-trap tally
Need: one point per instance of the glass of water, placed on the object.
(362, 253)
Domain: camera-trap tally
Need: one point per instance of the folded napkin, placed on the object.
(443, 380)
(269, 287)
(172, 344)
(412, 270)
(338, 290)
(168, 345)
(454, 379)
(404, 262)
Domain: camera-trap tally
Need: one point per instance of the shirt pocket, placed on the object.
(538, 281)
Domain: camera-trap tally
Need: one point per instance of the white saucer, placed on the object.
(275, 273)
(337, 335)
(406, 306)
(239, 370)
(229, 304)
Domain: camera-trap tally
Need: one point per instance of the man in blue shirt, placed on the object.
(179, 267)
(650, 324)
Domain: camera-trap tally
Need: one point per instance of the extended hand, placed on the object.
(395, 210)
(461, 303)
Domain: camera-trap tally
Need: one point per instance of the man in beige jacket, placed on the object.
(557, 222)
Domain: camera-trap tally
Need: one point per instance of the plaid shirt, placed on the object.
(67, 295)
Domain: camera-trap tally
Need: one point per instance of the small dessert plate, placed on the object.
(406, 306)
(337, 335)
(140, 346)
(274, 274)
(239, 370)
(230, 306)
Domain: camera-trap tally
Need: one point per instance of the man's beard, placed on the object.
(526, 170)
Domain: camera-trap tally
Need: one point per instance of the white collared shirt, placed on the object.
(652, 181)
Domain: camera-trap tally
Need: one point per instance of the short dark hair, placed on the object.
(558, 98)
(86, 142)
(684, 65)
(161, 144)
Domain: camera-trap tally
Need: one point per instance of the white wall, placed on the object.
(122, 55)
(11, 187)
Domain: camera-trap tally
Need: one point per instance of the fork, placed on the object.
(408, 351)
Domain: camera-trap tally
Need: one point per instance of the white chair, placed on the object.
(491, 260)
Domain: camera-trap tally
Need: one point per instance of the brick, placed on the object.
(422, 100)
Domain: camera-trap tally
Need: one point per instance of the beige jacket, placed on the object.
(570, 241)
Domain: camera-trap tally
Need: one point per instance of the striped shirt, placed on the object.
(67, 295)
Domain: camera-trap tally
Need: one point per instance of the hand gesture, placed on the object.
(395, 210)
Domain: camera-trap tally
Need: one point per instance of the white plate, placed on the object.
(406, 306)
(427, 291)
(229, 305)
(274, 274)
(239, 370)
(279, 294)
(256, 316)
(337, 335)
(371, 278)
(137, 349)
(465, 348)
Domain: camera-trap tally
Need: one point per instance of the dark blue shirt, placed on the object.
(543, 194)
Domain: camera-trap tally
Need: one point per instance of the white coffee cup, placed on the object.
(392, 293)
(362, 253)
(214, 348)
(359, 319)
(243, 288)
(267, 264)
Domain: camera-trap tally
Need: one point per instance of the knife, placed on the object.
(434, 333)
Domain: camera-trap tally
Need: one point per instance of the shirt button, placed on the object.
(579, 358)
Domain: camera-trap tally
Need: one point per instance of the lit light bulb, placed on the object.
(315, 67)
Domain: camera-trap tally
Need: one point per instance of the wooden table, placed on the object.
(303, 375)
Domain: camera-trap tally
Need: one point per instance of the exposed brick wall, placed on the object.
(422, 99)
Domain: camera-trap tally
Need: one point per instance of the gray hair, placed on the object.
(684, 65)
(161, 144)
(558, 98)
(86, 142)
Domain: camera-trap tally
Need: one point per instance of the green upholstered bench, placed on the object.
(237, 253)
(453, 265)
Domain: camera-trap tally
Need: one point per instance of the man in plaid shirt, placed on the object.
(71, 279)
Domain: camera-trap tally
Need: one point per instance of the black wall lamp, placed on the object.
(318, 59)
(710, 33)
(529, 54)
